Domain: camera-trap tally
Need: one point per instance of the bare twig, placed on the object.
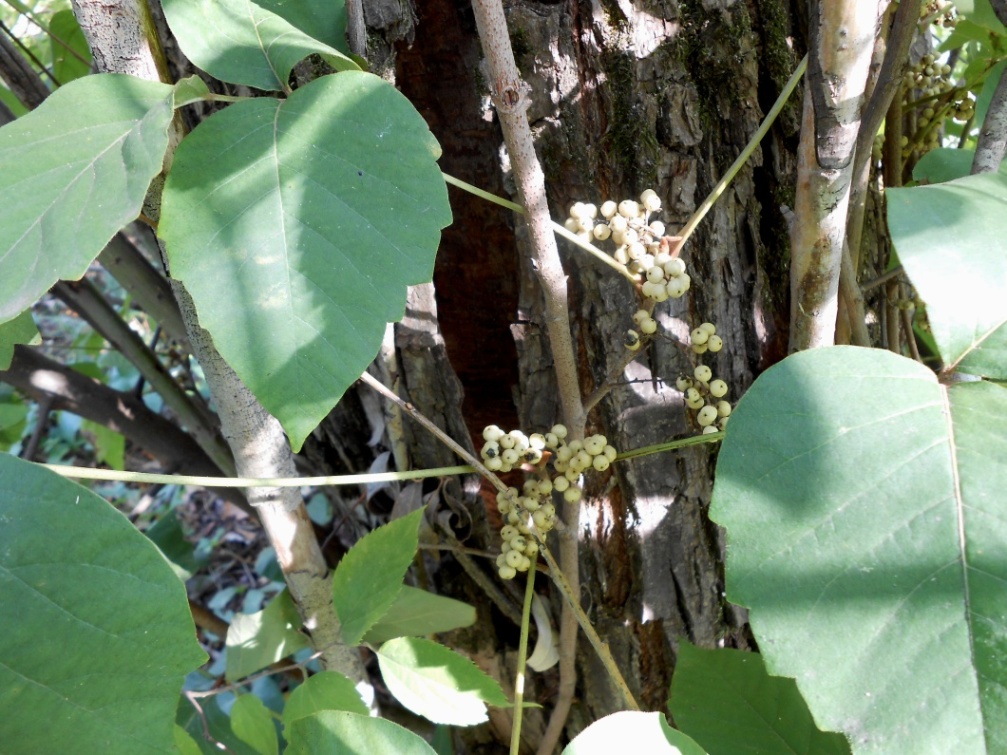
(992, 141)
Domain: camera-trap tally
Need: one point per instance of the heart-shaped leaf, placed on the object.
(97, 636)
(866, 523)
(245, 42)
(952, 240)
(297, 226)
(73, 172)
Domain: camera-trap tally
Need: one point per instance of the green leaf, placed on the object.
(71, 56)
(640, 732)
(328, 690)
(109, 446)
(339, 731)
(305, 220)
(725, 700)
(189, 90)
(943, 164)
(437, 683)
(417, 612)
(12, 102)
(169, 537)
(253, 724)
(184, 742)
(13, 417)
(324, 20)
(212, 722)
(864, 509)
(72, 173)
(952, 241)
(244, 42)
(101, 637)
(19, 330)
(258, 639)
(368, 578)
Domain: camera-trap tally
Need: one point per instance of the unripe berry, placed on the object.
(724, 408)
(632, 341)
(707, 416)
(559, 431)
(494, 464)
(710, 429)
(514, 558)
(640, 315)
(559, 484)
(541, 522)
(709, 327)
(507, 572)
(509, 456)
(716, 343)
(508, 532)
(648, 327)
(601, 463)
(718, 388)
(564, 453)
(610, 453)
(703, 373)
(545, 486)
(674, 267)
(683, 383)
(655, 275)
(595, 444)
(531, 550)
(519, 543)
(506, 441)
(699, 348)
(576, 445)
(674, 288)
(629, 209)
(694, 399)
(572, 494)
(551, 441)
(699, 336)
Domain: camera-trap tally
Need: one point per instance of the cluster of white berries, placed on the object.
(705, 338)
(704, 394)
(637, 240)
(534, 501)
(503, 451)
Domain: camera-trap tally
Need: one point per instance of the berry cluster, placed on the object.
(637, 240)
(534, 501)
(705, 338)
(704, 394)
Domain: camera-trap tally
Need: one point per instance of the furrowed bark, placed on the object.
(841, 44)
(123, 40)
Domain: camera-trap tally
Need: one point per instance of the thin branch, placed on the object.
(895, 272)
(522, 657)
(992, 141)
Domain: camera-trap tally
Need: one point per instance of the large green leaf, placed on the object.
(368, 578)
(866, 525)
(437, 683)
(97, 636)
(253, 724)
(297, 227)
(725, 700)
(952, 240)
(635, 732)
(245, 42)
(339, 731)
(72, 173)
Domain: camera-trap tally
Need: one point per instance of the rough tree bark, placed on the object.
(622, 99)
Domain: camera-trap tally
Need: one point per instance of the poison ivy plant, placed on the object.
(93, 596)
(725, 700)
(73, 172)
(297, 226)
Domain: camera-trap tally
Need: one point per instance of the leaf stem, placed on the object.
(556, 227)
(522, 657)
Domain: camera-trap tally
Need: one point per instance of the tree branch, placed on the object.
(992, 140)
(511, 101)
(834, 92)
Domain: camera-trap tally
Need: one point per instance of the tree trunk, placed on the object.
(622, 100)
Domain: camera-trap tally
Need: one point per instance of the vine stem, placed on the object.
(556, 227)
(113, 475)
(757, 137)
(522, 657)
